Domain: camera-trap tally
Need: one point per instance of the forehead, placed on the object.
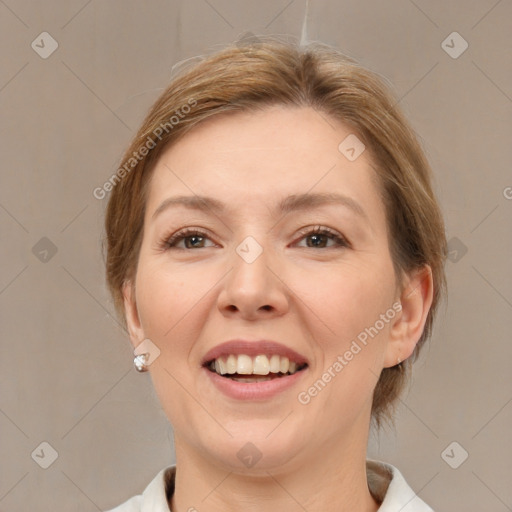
(255, 159)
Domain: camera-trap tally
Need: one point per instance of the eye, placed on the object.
(193, 239)
(320, 235)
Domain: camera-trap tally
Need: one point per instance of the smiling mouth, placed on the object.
(244, 368)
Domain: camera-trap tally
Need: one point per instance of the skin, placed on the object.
(314, 298)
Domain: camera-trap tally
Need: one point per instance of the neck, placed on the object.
(333, 479)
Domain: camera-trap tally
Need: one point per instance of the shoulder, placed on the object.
(154, 496)
(388, 485)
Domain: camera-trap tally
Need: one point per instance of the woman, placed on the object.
(277, 252)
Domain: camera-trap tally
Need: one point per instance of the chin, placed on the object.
(252, 450)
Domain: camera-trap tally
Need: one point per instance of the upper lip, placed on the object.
(252, 348)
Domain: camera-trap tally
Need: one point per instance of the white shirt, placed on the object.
(385, 482)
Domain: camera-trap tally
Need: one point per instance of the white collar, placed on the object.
(385, 482)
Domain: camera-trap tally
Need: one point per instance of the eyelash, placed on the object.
(169, 243)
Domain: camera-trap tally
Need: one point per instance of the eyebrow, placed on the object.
(291, 203)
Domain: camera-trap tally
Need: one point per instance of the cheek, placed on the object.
(164, 297)
(344, 299)
(344, 308)
(167, 302)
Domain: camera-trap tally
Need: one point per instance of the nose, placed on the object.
(254, 290)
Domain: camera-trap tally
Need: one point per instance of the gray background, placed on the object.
(66, 368)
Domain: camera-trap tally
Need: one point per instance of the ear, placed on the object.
(407, 326)
(132, 315)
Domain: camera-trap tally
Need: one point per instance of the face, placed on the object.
(291, 258)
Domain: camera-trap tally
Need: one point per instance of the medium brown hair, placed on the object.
(273, 71)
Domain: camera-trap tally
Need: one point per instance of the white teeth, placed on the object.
(231, 364)
(256, 379)
(222, 366)
(262, 364)
(275, 364)
(244, 365)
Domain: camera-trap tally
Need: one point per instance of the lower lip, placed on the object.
(254, 390)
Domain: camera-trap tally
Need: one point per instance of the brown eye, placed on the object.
(193, 239)
(320, 236)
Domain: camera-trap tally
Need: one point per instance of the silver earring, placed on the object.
(140, 362)
(398, 360)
